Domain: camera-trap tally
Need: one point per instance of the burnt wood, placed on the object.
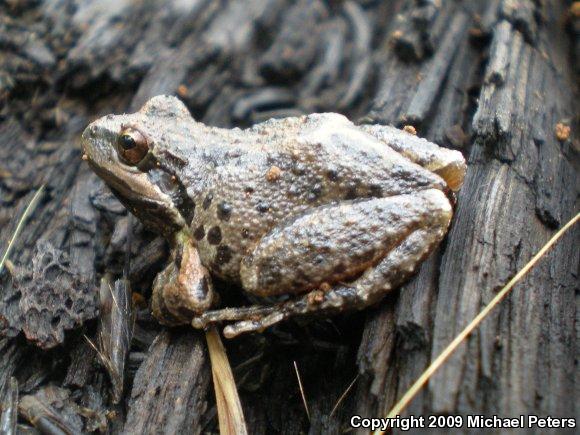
(495, 79)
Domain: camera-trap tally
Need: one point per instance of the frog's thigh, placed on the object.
(390, 272)
(183, 289)
(448, 164)
(335, 243)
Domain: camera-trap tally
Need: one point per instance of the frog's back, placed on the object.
(279, 169)
(323, 158)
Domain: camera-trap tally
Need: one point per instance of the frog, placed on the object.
(310, 215)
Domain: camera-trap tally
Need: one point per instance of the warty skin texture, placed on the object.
(282, 208)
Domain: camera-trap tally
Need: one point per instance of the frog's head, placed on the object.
(138, 156)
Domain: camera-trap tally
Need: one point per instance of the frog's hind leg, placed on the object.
(377, 242)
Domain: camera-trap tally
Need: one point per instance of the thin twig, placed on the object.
(343, 395)
(446, 353)
(302, 391)
(29, 209)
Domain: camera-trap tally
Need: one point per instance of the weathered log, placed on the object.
(516, 164)
(495, 79)
(171, 385)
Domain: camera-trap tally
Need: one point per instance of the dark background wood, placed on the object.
(491, 78)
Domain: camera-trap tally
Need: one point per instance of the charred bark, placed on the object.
(495, 79)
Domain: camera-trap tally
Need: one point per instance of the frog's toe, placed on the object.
(253, 325)
(199, 322)
(252, 313)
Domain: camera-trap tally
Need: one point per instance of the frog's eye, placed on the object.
(132, 146)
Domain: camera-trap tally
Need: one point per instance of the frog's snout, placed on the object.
(87, 135)
(97, 142)
(89, 142)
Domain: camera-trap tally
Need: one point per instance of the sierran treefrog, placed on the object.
(311, 214)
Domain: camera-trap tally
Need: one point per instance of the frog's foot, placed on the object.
(183, 288)
(255, 312)
(379, 243)
(247, 319)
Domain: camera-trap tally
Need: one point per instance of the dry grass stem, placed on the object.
(343, 395)
(302, 390)
(230, 413)
(446, 353)
(27, 211)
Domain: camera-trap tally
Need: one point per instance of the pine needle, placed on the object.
(28, 210)
(230, 413)
(446, 353)
(343, 395)
(302, 391)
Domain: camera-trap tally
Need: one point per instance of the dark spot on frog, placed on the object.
(375, 191)
(294, 190)
(224, 211)
(350, 192)
(233, 154)
(423, 182)
(332, 175)
(246, 233)
(315, 192)
(185, 205)
(223, 255)
(263, 207)
(214, 235)
(249, 190)
(339, 268)
(207, 201)
(199, 232)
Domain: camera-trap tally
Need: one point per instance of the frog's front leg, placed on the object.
(184, 288)
(339, 257)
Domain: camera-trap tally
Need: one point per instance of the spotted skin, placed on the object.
(317, 165)
(286, 207)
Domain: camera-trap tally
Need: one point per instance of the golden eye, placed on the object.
(132, 145)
